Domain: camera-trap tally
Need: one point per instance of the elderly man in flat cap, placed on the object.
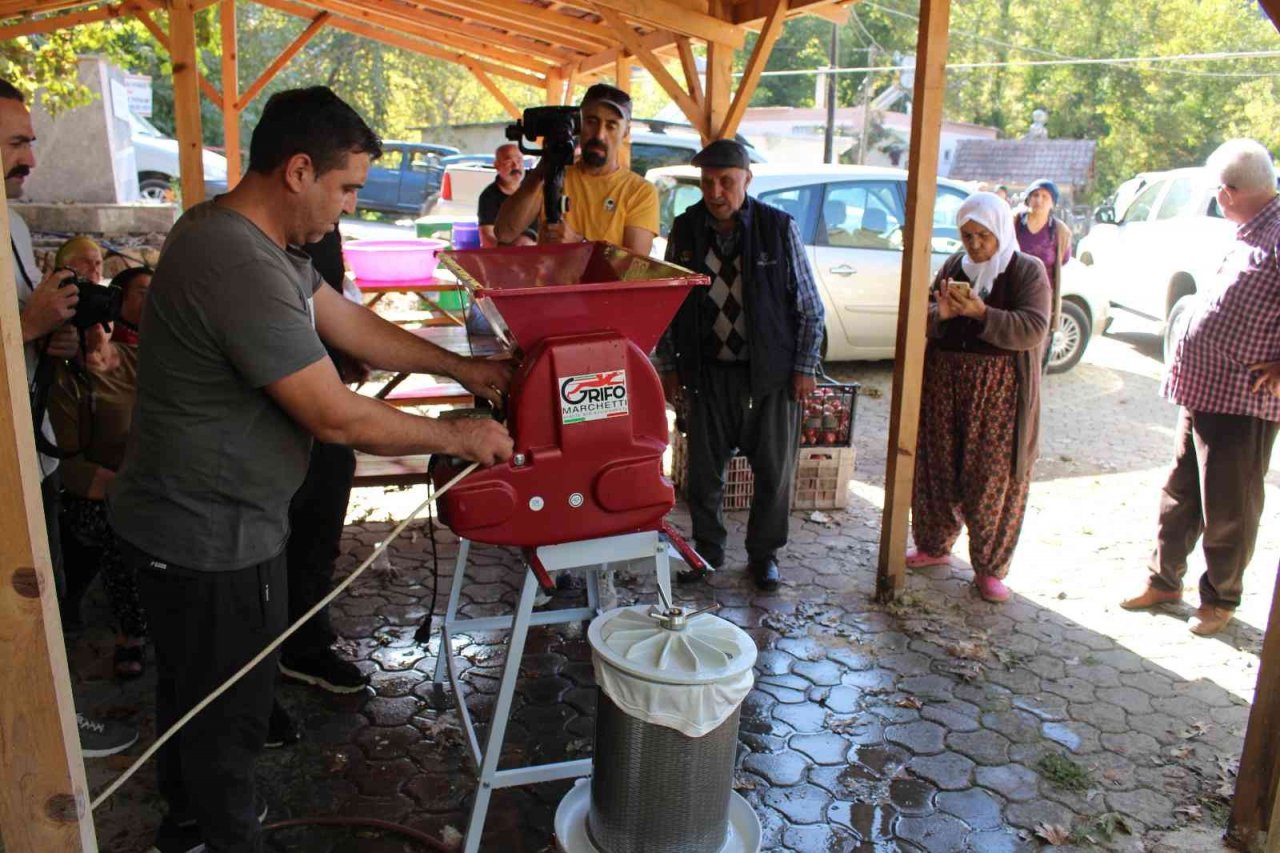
(741, 354)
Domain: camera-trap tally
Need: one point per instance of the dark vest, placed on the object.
(768, 294)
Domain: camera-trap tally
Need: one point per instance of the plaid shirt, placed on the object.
(1234, 323)
(810, 314)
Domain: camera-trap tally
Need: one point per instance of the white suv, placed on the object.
(851, 219)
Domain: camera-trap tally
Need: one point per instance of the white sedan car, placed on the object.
(852, 219)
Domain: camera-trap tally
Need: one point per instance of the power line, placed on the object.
(1027, 63)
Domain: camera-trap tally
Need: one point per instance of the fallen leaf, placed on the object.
(844, 727)
(909, 702)
(1196, 729)
(1180, 752)
(1192, 812)
(1053, 834)
(744, 783)
(819, 517)
(451, 837)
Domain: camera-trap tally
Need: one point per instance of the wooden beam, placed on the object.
(579, 34)
(44, 800)
(622, 72)
(230, 91)
(157, 33)
(316, 25)
(553, 84)
(655, 42)
(186, 101)
(913, 299)
(1253, 809)
(498, 95)
(689, 63)
(751, 14)
(631, 41)
(666, 15)
(751, 77)
(409, 22)
(719, 87)
(1272, 8)
(71, 19)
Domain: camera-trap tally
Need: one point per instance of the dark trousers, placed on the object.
(723, 417)
(316, 517)
(1214, 489)
(205, 626)
(51, 498)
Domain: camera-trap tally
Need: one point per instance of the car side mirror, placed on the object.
(1105, 214)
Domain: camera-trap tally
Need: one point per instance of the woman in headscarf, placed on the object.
(980, 404)
(1044, 235)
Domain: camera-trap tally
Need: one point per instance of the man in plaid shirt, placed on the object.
(1228, 422)
(743, 352)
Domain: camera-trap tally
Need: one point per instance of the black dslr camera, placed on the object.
(559, 128)
(99, 304)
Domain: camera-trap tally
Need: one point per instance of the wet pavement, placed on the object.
(936, 723)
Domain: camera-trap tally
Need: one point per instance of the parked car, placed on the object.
(665, 144)
(157, 159)
(406, 178)
(851, 219)
(1167, 244)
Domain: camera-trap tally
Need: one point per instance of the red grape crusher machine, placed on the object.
(585, 486)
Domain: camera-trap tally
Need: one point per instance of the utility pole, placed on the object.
(866, 107)
(828, 142)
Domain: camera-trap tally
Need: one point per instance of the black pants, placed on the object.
(316, 517)
(1214, 489)
(205, 626)
(51, 498)
(723, 417)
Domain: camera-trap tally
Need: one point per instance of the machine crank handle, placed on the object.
(686, 552)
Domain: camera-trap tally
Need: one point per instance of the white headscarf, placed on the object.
(992, 213)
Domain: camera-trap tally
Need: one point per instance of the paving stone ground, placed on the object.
(936, 723)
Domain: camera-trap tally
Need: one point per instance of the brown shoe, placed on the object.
(1209, 620)
(1151, 597)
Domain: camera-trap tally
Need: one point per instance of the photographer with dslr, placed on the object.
(83, 256)
(605, 201)
(45, 306)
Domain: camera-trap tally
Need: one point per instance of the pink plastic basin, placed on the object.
(393, 260)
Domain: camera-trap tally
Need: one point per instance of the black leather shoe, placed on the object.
(765, 573)
(693, 575)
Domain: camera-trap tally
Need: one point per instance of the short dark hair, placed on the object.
(312, 121)
(9, 92)
(125, 278)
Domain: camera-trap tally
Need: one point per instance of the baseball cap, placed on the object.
(723, 154)
(603, 93)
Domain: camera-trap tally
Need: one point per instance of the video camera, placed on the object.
(559, 128)
(98, 304)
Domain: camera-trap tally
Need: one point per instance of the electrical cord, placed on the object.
(271, 647)
(362, 822)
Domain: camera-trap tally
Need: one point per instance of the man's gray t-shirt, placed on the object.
(212, 461)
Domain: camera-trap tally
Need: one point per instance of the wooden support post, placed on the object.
(719, 81)
(498, 95)
(317, 24)
(554, 84)
(1255, 808)
(44, 800)
(755, 65)
(230, 92)
(622, 72)
(186, 101)
(913, 300)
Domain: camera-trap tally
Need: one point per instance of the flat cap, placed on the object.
(603, 93)
(723, 154)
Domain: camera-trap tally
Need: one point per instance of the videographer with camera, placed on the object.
(233, 383)
(45, 306)
(604, 200)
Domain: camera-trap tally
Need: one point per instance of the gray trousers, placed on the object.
(723, 418)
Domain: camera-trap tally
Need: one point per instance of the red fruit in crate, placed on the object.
(830, 437)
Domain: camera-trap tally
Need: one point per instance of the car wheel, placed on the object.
(1173, 326)
(1071, 339)
(155, 189)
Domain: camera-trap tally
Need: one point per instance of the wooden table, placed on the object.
(429, 289)
(456, 340)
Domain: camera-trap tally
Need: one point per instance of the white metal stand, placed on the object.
(593, 554)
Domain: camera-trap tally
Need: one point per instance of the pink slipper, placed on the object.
(991, 588)
(917, 559)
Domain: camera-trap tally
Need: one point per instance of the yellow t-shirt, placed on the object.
(601, 207)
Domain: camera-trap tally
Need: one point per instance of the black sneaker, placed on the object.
(173, 837)
(100, 738)
(281, 730)
(325, 670)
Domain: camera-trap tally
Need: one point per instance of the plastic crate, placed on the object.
(828, 415)
(822, 477)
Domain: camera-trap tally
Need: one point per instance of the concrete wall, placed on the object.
(85, 154)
